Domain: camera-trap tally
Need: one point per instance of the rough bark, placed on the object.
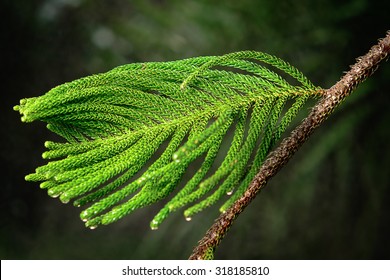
(332, 97)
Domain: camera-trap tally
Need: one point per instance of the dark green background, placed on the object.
(330, 202)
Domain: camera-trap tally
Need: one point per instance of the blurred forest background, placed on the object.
(330, 202)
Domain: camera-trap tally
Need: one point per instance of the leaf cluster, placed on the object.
(113, 124)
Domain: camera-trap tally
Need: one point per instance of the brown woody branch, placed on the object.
(332, 97)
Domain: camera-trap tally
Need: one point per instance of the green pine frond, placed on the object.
(114, 124)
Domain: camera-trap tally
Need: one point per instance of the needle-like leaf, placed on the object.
(115, 122)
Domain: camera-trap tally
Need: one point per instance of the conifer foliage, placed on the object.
(130, 134)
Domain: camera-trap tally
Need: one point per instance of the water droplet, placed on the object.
(64, 198)
(230, 192)
(58, 177)
(154, 225)
(84, 215)
(93, 227)
(140, 180)
(188, 219)
(53, 193)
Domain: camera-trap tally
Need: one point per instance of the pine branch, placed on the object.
(114, 122)
(362, 69)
